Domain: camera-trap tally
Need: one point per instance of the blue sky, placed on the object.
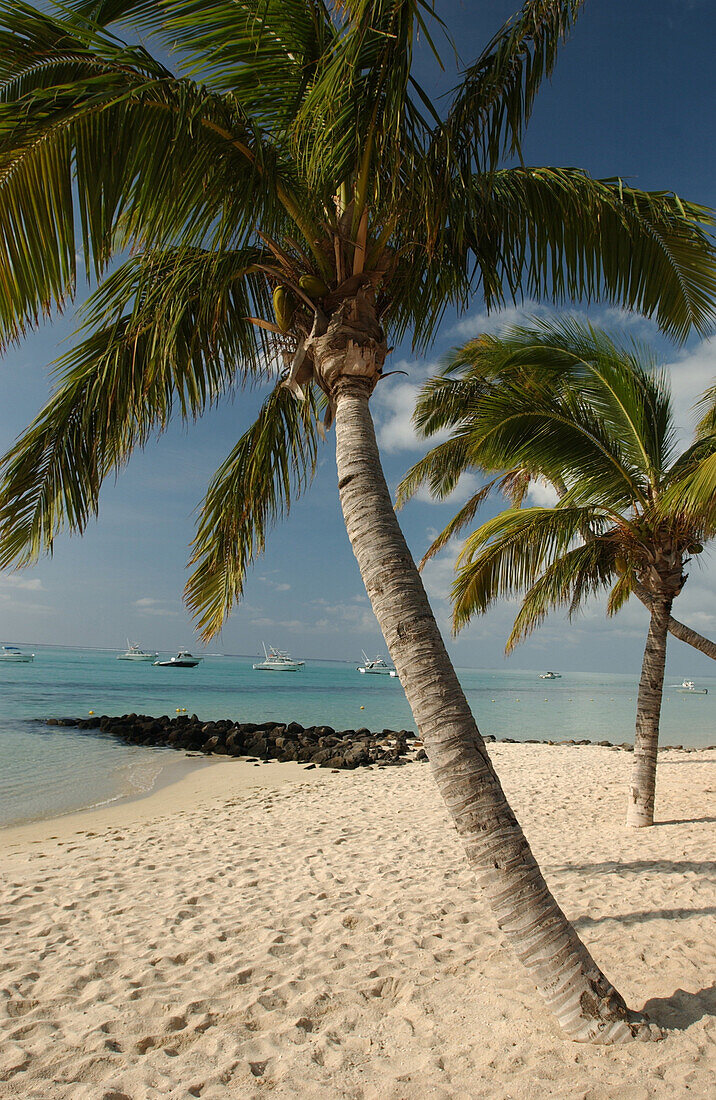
(632, 95)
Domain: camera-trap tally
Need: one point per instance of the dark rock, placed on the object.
(421, 755)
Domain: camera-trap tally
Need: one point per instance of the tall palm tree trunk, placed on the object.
(642, 787)
(583, 1000)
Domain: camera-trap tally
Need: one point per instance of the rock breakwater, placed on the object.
(321, 746)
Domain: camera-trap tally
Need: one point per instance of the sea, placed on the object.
(48, 771)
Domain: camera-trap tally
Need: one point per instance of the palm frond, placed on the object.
(693, 496)
(100, 142)
(707, 408)
(568, 236)
(459, 522)
(169, 332)
(271, 465)
(508, 553)
(441, 468)
(621, 592)
(493, 103)
(567, 581)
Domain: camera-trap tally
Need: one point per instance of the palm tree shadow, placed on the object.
(682, 1009)
(686, 821)
(643, 916)
(637, 866)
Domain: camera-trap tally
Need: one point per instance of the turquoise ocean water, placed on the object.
(46, 771)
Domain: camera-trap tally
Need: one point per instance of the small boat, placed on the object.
(377, 666)
(12, 653)
(688, 687)
(550, 676)
(136, 653)
(277, 660)
(183, 659)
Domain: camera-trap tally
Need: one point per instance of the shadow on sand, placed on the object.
(682, 1009)
(616, 867)
(642, 916)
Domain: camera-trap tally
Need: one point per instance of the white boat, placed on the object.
(277, 660)
(550, 676)
(377, 666)
(688, 687)
(136, 653)
(12, 653)
(183, 659)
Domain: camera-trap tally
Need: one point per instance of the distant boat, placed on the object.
(550, 676)
(377, 666)
(12, 653)
(136, 653)
(183, 659)
(277, 660)
(688, 687)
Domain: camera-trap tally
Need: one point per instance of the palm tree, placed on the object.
(564, 401)
(300, 201)
(451, 402)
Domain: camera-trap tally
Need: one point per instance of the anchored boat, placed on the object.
(136, 653)
(183, 659)
(277, 660)
(377, 666)
(688, 687)
(12, 653)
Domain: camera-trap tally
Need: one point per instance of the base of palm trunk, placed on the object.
(638, 817)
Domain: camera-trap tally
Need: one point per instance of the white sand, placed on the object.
(320, 936)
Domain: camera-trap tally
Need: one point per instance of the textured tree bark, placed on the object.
(584, 1002)
(642, 787)
(679, 630)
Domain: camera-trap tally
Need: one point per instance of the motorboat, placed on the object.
(183, 659)
(688, 687)
(136, 653)
(12, 653)
(377, 666)
(550, 676)
(277, 660)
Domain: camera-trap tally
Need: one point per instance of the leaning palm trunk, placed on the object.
(642, 787)
(680, 630)
(584, 1002)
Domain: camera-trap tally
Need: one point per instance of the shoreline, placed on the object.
(182, 784)
(179, 770)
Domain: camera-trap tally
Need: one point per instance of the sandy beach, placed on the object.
(247, 931)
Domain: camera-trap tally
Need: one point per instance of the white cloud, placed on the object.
(278, 586)
(281, 624)
(17, 581)
(691, 373)
(147, 605)
(476, 323)
(542, 493)
(394, 403)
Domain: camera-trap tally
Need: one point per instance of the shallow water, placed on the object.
(49, 770)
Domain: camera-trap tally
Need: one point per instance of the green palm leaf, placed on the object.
(271, 465)
(508, 553)
(167, 333)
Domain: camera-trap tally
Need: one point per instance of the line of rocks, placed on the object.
(320, 746)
